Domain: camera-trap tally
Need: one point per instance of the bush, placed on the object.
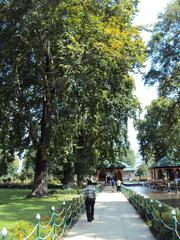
(9, 180)
(24, 228)
(156, 220)
(15, 185)
(69, 191)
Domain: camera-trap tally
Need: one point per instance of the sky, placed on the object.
(148, 13)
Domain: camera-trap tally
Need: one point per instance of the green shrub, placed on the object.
(69, 191)
(23, 229)
(163, 219)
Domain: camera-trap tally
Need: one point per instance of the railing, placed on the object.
(160, 217)
(68, 216)
(59, 222)
(99, 187)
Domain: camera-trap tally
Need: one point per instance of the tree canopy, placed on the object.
(65, 89)
(163, 50)
(159, 130)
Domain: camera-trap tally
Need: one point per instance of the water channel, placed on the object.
(171, 198)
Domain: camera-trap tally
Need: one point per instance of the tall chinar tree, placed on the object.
(101, 96)
(36, 66)
(159, 131)
(106, 97)
(65, 69)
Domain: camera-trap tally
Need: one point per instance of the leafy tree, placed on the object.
(130, 158)
(13, 167)
(159, 131)
(104, 113)
(9, 169)
(164, 52)
(22, 176)
(65, 89)
(142, 170)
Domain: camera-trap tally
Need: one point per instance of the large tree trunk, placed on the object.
(80, 179)
(40, 186)
(81, 166)
(68, 179)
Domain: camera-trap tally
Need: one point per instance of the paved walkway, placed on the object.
(115, 219)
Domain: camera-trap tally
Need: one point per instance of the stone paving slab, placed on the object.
(115, 219)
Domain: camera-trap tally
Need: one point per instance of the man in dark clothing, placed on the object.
(90, 197)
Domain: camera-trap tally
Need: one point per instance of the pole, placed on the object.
(174, 223)
(4, 233)
(38, 217)
(65, 213)
(54, 222)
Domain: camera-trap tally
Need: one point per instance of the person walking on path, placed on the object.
(118, 185)
(90, 197)
(113, 183)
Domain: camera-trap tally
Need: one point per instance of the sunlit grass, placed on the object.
(14, 206)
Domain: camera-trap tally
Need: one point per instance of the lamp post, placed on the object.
(4, 233)
(54, 222)
(38, 217)
(173, 213)
(65, 213)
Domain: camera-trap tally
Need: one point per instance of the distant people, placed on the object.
(176, 185)
(169, 186)
(118, 184)
(113, 183)
(90, 197)
(108, 179)
(165, 178)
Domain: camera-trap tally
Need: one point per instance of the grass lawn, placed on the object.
(14, 206)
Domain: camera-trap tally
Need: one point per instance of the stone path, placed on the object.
(115, 219)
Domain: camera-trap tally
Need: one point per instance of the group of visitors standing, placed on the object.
(113, 183)
(116, 184)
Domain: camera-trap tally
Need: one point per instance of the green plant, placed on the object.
(24, 228)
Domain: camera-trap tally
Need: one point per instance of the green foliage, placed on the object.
(158, 219)
(8, 168)
(129, 158)
(22, 176)
(164, 52)
(159, 228)
(22, 230)
(66, 91)
(159, 131)
(142, 170)
(70, 191)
